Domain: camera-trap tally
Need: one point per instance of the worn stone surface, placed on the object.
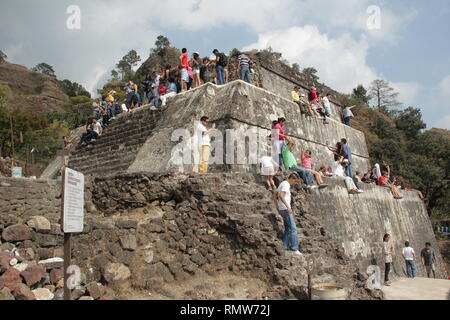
(95, 290)
(56, 275)
(11, 278)
(115, 272)
(22, 292)
(17, 232)
(33, 275)
(43, 294)
(5, 294)
(40, 224)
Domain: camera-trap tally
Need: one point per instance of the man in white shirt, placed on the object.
(410, 256)
(204, 143)
(348, 115)
(339, 172)
(290, 237)
(327, 105)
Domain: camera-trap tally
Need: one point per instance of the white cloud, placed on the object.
(444, 87)
(408, 92)
(341, 62)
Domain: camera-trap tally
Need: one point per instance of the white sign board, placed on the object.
(73, 211)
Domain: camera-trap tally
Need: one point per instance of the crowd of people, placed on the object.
(427, 259)
(315, 105)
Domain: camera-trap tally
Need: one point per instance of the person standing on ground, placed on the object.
(196, 64)
(184, 64)
(388, 252)
(348, 115)
(243, 67)
(221, 63)
(410, 256)
(204, 142)
(428, 258)
(290, 236)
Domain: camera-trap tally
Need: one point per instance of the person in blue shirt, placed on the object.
(346, 152)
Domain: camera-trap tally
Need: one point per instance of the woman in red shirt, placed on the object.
(383, 181)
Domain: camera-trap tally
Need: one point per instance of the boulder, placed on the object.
(56, 275)
(22, 292)
(78, 292)
(116, 272)
(40, 224)
(21, 267)
(43, 294)
(95, 290)
(128, 242)
(87, 298)
(52, 263)
(16, 232)
(11, 278)
(24, 254)
(5, 259)
(33, 275)
(5, 294)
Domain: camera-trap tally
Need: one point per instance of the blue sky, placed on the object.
(410, 49)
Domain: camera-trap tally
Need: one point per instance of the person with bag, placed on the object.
(221, 64)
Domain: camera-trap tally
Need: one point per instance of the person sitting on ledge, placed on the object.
(291, 164)
(307, 163)
(339, 172)
(383, 181)
(302, 102)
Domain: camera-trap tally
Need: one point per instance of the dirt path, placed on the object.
(418, 289)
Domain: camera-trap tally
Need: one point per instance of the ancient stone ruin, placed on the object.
(154, 231)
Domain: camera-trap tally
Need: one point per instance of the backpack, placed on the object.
(223, 60)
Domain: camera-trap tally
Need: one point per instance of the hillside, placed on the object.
(31, 91)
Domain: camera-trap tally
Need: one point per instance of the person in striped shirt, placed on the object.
(243, 67)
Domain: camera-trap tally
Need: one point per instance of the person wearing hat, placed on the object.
(339, 172)
(196, 64)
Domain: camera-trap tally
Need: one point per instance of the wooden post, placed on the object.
(67, 262)
(67, 240)
(13, 152)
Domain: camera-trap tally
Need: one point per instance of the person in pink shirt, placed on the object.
(281, 140)
(307, 163)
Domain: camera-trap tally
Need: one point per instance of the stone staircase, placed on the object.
(114, 152)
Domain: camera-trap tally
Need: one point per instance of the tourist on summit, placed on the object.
(428, 258)
(196, 64)
(388, 253)
(204, 142)
(326, 107)
(339, 172)
(130, 94)
(205, 73)
(184, 64)
(243, 67)
(221, 64)
(290, 236)
(313, 97)
(383, 181)
(346, 152)
(348, 115)
(171, 91)
(300, 99)
(409, 255)
(307, 163)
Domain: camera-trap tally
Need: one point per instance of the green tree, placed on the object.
(45, 69)
(410, 122)
(73, 89)
(3, 56)
(383, 95)
(296, 67)
(125, 66)
(161, 44)
(360, 93)
(114, 75)
(76, 112)
(311, 75)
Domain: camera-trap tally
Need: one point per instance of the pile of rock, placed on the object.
(30, 273)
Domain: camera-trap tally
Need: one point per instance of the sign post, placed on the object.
(72, 216)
